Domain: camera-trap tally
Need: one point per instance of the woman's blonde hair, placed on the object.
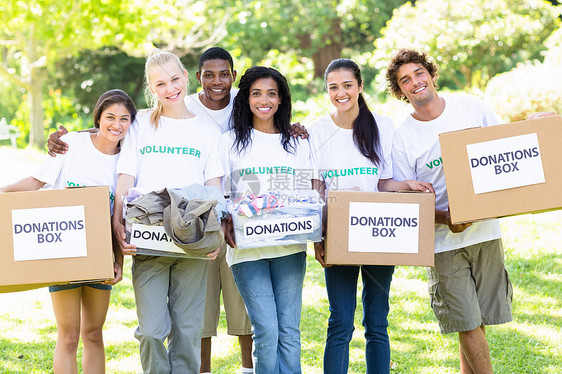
(157, 58)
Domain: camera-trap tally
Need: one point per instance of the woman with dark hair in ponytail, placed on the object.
(352, 148)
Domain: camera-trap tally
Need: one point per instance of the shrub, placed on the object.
(526, 89)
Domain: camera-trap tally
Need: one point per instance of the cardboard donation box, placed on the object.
(272, 220)
(503, 170)
(54, 237)
(379, 228)
(152, 240)
(175, 222)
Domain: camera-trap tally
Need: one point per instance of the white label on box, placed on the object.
(505, 163)
(280, 227)
(383, 227)
(47, 233)
(153, 237)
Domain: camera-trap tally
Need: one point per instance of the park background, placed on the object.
(58, 56)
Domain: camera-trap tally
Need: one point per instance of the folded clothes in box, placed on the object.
(274, 219)
(175, 222)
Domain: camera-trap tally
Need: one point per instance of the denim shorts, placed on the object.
(63, 287)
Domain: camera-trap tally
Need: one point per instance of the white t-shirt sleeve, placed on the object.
(402, 170)
(313, 158)
(386, 135)
(213, 166)
(306, 170)
(50, 170)
(307, 151)
(190, 103)
(224, 154)
(313, 142)
(490, 117)
(128, 160)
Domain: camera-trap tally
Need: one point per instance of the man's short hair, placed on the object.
(403, 57)
(216, 53)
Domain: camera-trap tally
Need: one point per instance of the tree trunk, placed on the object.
(324, 56)
(468, 76)
(331, 49)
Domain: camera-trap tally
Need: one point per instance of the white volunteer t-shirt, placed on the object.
(417, 155)
(220, 117)
(82, 165)
(179, 153)
(265, 166)
(339, 163)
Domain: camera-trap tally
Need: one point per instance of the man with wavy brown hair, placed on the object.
(468, 285)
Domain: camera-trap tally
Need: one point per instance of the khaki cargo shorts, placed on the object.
(220, 279)
(470, 287)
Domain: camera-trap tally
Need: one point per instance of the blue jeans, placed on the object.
(341, 284)
(272, 291)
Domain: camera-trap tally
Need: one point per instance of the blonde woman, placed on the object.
(169, 292)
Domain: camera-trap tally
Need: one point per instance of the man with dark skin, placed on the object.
(214, 103)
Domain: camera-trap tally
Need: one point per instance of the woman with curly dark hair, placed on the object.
(260, 155)
(243, 114)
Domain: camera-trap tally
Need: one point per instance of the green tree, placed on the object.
(530, 87)
(472, 40)
(553, 55)
(35, 33)
(41, 33)
(183, 26)
(317, 30)
(91, 72)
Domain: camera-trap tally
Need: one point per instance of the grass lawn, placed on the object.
(529, 344)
